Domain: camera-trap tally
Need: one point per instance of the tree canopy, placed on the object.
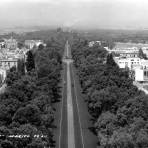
(118, 109)
(26, 106)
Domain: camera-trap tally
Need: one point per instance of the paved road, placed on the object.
(70, 115)
(69, 134)
(74, 119)
(140, 86)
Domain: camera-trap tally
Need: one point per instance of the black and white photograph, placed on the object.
(73, 73)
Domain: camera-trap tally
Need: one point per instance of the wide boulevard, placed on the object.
(74, 120)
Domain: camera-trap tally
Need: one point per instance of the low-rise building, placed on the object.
(145, 50)
(144, 64)
(92, 43)
(126, 52)
(141, 74)
(33, 43)
(127, 62)
(136, 65)
(11, 43)
(129, 54)
(8, 63)
(3, 73)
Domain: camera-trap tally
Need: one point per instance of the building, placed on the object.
(138, 67)
(8, 63)
(9, 59)
(2, 44)
(127, 62)
(11, 43)
(144, 64)
(29, 44)
(92, 43)
(141, 74)
(3, 73)
(33, 43)
(128, 57)
(145, 50)
(125, 52)
(129, 54)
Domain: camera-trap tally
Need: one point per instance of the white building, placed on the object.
(31, 43)
(11, 43)
(129, 54)
(141, 74)
(144, 64)
(8, 63)
(92, 43)
(137, 65)
(8, 59)
(127, 62)
(3, 73)
(125, 52)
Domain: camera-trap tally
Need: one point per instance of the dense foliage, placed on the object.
(30, 64)
(26, 106)
(119, 110)
(116, 35)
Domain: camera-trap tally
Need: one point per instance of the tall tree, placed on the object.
(30, 64)
(141, 54)
(41, 47)
(110, 61)
(21, 66)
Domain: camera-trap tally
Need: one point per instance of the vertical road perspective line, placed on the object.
(82, 138)
(70, 118)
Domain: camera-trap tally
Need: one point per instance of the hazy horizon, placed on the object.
(96, 14)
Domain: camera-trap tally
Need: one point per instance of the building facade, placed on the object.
(8, 63)
(92, 43)
(11, 43)
(3, 73)
(33, 43)
(141, 74)
(127, 62)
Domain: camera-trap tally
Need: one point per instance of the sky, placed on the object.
(96, 14)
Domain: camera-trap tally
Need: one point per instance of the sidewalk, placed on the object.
(140, 86)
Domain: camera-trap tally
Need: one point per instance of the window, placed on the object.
(146, 74)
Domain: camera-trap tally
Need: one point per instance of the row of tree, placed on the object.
(119, 110)
(26, 107)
